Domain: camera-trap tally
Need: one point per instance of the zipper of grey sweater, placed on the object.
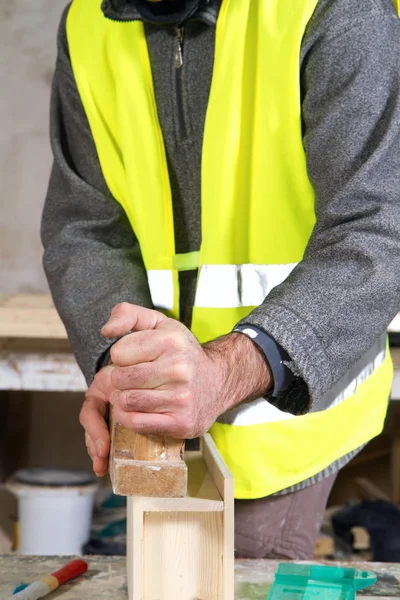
(178, 82)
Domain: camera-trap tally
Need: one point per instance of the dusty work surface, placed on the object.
(106, 579)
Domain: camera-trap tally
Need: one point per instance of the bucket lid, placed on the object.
(54, 477)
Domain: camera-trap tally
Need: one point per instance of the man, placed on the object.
(235, 167)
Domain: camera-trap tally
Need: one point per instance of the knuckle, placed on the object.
(138, 375)
(126, 309)
(125, 306)
(184, 397)
(120, 377)
(96, 380)
(119, 308)
(137, 423)
(183, 427)
(127, 398)
(175, 341)
(101, 379)
(132, 399)
(192, 431)
(181, 370)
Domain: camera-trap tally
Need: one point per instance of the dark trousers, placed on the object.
(282, 527)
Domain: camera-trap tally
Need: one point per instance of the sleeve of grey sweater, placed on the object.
(85, 233)
(343, 295)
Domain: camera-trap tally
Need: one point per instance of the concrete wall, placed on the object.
(28, 30)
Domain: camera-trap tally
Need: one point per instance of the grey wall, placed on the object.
(28, 30)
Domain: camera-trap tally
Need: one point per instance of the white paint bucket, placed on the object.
(54, 510)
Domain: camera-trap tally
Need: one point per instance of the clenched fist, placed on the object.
(164, 382)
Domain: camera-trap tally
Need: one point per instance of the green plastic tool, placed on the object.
(314, 582)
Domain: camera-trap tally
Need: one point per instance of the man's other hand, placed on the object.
(93, 420)
(166, 382)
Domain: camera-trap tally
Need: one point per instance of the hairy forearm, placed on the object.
(243, 367)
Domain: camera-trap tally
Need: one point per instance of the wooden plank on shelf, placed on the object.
(40, 372)
(26, 301)
(29, 316)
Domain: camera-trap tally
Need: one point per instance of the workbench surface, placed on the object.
(105, 579)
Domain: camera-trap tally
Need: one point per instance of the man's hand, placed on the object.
(166, 382)
(92, 418)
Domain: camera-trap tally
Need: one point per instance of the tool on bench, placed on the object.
(47, 584)
(315, 582)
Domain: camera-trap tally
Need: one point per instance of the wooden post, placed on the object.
(183, 548)
(146, 465)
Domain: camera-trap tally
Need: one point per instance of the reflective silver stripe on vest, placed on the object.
(260, 411)
(161, 284)
(359, 373)
(232, 286)
(222, 286)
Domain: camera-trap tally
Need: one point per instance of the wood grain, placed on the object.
(202, 493)
(148, 466)
(224, 481)
(134, 554)
(185, 550)
(182, 553)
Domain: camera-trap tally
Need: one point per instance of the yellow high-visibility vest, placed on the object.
(257, 213)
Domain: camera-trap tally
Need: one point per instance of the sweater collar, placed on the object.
(168, 12)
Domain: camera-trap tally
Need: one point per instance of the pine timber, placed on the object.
(146, 465)
(183, 548)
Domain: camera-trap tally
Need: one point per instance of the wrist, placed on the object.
(242, 370)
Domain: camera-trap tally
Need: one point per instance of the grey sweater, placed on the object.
(342, 296)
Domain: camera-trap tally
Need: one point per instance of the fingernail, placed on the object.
(114, 398)
(99, 447)
(110, 321)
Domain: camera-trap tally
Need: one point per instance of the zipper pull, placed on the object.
(179, 50)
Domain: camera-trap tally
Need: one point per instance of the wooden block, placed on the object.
(146, 465)
(183, 548)
(361, 538)
(324, 546)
